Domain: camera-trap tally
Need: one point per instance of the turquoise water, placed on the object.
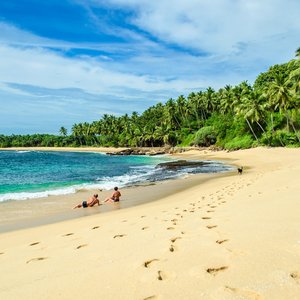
(33, 174)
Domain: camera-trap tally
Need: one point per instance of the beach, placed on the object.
(217, 237)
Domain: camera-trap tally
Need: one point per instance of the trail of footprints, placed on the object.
(215, 200)
(35, 259)
(193, 207)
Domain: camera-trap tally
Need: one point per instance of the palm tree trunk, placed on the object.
(296, 133)
(272, 122)
(252, 129)
(263, 131)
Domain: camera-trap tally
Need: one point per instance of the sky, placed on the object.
(68, 61)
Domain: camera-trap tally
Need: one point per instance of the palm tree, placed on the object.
(279, 94)
(227, 98)
(298, 53)
(244, 109)
(63, 131)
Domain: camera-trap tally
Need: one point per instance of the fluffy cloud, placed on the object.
(218, 26)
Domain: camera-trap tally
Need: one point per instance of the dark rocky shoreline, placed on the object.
(151, 151)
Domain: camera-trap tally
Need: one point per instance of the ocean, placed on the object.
(34, 174)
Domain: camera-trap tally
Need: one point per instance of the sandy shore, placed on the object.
(231, 237)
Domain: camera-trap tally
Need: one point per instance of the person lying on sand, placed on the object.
(115, 197)
(91, 202)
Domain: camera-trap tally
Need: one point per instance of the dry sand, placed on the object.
(231, 237)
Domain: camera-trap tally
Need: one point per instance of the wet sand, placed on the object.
(40, 211)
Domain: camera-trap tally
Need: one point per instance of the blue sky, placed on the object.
(69, 61)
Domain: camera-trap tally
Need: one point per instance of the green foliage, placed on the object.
(205, 136)
(242, 142)
(282, 138)
(187, 141)
(264, 79)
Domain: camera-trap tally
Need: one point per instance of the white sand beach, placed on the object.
(228, 237)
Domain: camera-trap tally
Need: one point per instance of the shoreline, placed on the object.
(19, 214)
(233, 237)
(66, 149)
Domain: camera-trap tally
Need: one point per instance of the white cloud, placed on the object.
(217, 26)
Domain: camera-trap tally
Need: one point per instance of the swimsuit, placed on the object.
(84, 204)
(115, 199)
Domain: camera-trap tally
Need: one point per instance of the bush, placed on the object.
(283, 138)
(240, 142)
(187, 141)
(205, 136)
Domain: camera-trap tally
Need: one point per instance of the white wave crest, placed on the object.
(57, 192)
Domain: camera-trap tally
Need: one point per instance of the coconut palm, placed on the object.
(63, 131)
(279, 94)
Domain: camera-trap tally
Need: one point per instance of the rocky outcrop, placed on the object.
(179, 164)
(150, 151)
(141, 151)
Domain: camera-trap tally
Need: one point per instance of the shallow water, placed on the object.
(36, 174)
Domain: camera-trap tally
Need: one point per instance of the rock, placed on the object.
(178, 164)
(139, 151)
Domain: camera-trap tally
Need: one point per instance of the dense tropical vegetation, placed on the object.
(234, 117)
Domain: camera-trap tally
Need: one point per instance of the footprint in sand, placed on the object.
(173, 240)
(148, 262)
(35, 243)
(81, 246)
(144, 228)
(36, 259)
(296, 276)
(210, 211)
(245, 293)
(172, 248)
(170, 228)
(143, 216)
(68, 234)
(211, 226)
(221, 241)
(206, 218)
(215, 271)
(153, 297)
(161, 275)
(119, 235)
(95, 227)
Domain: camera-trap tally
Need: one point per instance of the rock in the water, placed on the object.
(178, 164)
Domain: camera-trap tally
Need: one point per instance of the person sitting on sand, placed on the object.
(91, 202)
(115, 197)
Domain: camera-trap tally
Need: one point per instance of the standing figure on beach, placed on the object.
(115, 197)
(91, 202)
